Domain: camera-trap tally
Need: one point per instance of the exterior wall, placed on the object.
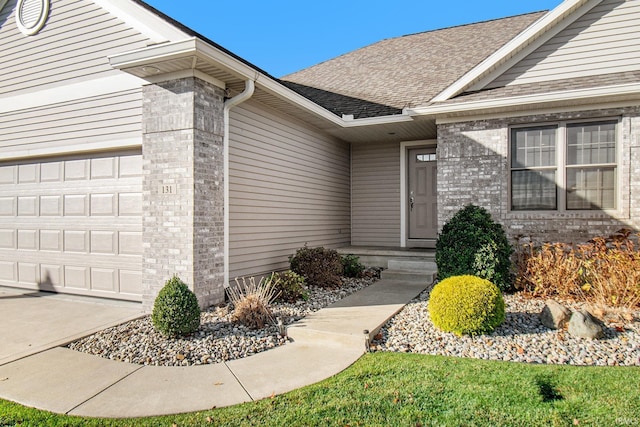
(74, 44)
(473, 167)
(609, 32)
(58, 92)
(376, 195)
(289, 185)
(115, 117)
(183, 189)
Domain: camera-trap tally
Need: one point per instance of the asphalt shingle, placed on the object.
(409, 71)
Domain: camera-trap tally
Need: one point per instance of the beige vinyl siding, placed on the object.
(375, 194)
(74, 44)
(289, 185)
(114, 117)
(604, 40)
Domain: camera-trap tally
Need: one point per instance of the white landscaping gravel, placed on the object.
(218, 339)
(521, 338)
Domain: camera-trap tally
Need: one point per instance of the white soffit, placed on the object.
(31, 15)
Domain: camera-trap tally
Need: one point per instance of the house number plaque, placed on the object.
(167, 189)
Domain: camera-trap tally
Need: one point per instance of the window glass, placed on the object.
(591, 188)
(590, 168)
(591, 143)
(533, 190)
(533, 147)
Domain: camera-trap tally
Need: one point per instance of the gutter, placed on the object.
(616, 91)
(228, 105)
(195, 49)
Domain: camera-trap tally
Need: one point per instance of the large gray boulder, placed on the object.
(554, 315)
(582, 324)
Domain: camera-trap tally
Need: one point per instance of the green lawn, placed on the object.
(390, 389)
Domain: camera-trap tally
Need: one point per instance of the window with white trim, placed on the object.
(565, 166)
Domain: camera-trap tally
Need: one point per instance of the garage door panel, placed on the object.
(28, 240)
(51, 172)
(28, 273)
(130, 204)
(104, 242)
(76, 170)
(51, 205)
(103, 204)
(28, 206)
(7, 206)
(8, 271)
(130, 281)
(8, 174)
(28, 174)
(51, 240)
(7, 239)
(103, 168)
(73, 225)
(75, 205)
(76, 241)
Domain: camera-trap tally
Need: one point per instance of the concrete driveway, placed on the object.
(36, 321)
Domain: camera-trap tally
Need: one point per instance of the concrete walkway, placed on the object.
(325, 343)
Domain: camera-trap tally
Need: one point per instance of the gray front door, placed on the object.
(423, 208)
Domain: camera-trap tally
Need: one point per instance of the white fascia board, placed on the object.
(566, 96)
(522, 40)
(143, 20)
(149, 55)
(196, 47)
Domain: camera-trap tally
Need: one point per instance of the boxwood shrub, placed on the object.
(473, 243)
(175, 310)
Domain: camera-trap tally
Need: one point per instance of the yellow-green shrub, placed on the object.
(466, 305)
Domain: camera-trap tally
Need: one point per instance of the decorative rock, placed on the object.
(584, 325)
(554, 315)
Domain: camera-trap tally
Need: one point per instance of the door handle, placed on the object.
(411, 201)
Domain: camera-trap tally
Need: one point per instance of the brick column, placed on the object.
(183, 188)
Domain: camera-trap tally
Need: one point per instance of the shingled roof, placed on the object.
(406, 71)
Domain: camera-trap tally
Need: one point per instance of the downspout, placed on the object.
(249, 87)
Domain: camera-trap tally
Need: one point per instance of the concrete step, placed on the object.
(418, 265)
(344, 322)
(425, 277)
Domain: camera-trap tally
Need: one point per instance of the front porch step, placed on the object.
(372, 256)
(417, 265)
(426, 276)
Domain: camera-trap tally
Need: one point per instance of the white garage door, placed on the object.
(73, 225)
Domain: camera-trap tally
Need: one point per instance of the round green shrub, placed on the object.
(473, 243)
(466, 305)
(176, 311)
(319, 266)
(289, 286)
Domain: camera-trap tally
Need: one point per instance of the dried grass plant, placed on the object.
(605, 271)
(252, 301)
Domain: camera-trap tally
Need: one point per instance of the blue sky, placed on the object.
(283, 36)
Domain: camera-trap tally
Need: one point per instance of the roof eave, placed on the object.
(624, 93)
(153, 62)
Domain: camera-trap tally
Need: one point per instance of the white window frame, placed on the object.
(561, 166)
